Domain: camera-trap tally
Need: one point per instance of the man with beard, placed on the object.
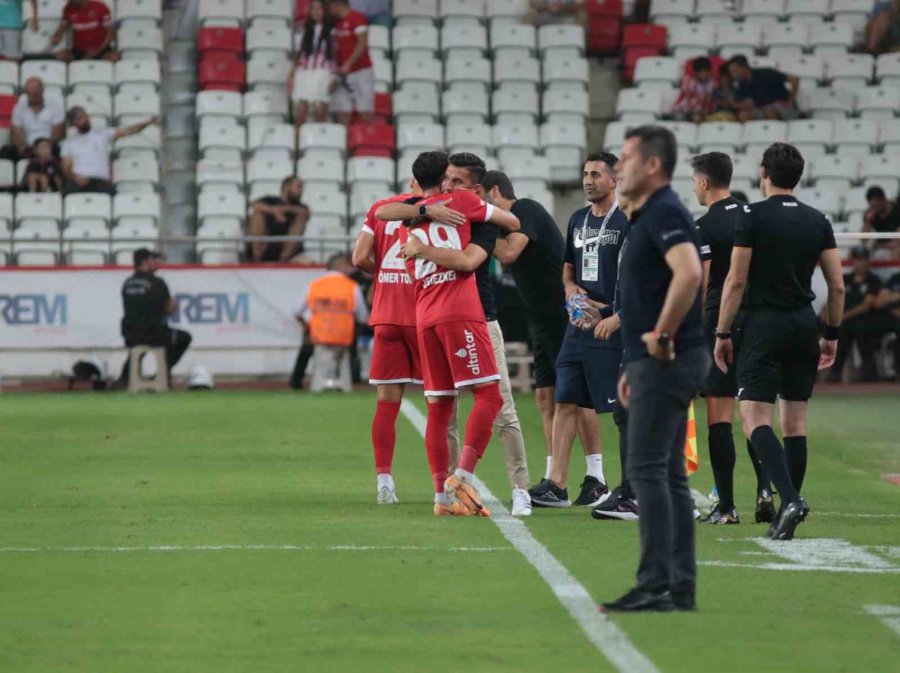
(283, 215)
(85, 154)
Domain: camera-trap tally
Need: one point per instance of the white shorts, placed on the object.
(360, 97)
(11, 43)
(311, 85)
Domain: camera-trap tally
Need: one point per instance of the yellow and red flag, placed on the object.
(692, 462)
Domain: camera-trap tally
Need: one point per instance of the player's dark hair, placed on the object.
(871, 193)
(716, 166)
(657, 141)
(739, 59)
(783, 164)
(428, 169)
(501, 181)
(701, 64)
(607, 158)
(472, 163)
(740, 196)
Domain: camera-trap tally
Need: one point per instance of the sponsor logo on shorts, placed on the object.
(473, 365)
(461, 353)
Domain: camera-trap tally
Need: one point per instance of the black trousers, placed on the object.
(866, 331)
(176, 343)
(657, 424)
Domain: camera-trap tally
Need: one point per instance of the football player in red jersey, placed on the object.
(453, 338)
(395, 350)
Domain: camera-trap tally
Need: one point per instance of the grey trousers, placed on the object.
(657, 424)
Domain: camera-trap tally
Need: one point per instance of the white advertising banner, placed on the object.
(222, 307)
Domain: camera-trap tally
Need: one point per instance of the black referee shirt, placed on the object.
(144, 299)
(787, 238)
(484, 235)
(538, 270)
(716, 241)
(644, 276)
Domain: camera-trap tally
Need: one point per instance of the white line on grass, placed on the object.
(888, 614)
(247, 547)
(603, 633)
(799, 567)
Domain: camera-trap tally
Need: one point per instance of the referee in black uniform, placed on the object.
(666, 362)
(147, 306)
(712, 179)
(534, 255)
(776, 249)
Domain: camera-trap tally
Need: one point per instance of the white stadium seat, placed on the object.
(415, 37)
(415, 9)
(506, 35)
(420, 136)
(324, 136)
(269, 169)
(560, 66)
(376, 170)
(467, 68)
(850, 71)
(326, 201)
(7, 173)
(417, 66)
(657, 69)
(515, 101)
(561, 36)
(363, 195)
(136, 209)
(9, 77)
(417, 101)
(267, 69)
(829, 102)
(535, 168)
(787, 40)
(834, 173)
(220, 12)
(324, 168)
(738, 38)
(889, 135)
(806, 133)
(139, 173)
(36, 243)
(38, 43)
(221, 208)
(269, 36)
(219, 105)
(216, 135)
(872, 167)
(758, 135)
(271, 105)
(804, 10)
(831, 38)
(96, 102)
(270, 9)
(692, 35)
(271, 139)
(40, 208)
(466, 37)
(887, 69)
(148, 141)
(809, 69)
(321, 226)
(132, 72)
(517, 68)
(719, 136)
(516, 135)
(671, 11)
(91, 74)
(129, 236)
(855, 137)
(88, 208)
(564, 145)
(478, 135)
(80, 244)
(219, 176)
(465, 102)
(763, 8)
(379, 39)
(52, 73)
(470, 9)
(685, 134)
(639, 104)
(745, 167)
(878, 102)
(566, 105)
(131, 107)
(512, 10)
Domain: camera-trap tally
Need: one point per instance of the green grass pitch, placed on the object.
(366, 588)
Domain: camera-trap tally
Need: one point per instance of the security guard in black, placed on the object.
(145, 299)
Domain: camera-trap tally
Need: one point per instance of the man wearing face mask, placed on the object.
(85, 154)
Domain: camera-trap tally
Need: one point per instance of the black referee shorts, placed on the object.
(547, 332)
(779, 355)
(716, 383)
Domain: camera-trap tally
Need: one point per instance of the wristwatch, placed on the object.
(423, 211)
(663, 339)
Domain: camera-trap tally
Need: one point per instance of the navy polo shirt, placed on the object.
(644, 278)
(766, 86)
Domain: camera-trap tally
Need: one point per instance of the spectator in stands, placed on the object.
(44, 171)
(93, 32)
(882, 216)
(34, 117)
(312, 78)
(695, 99)
(286, 215)
(378, 12)
(355, 87)
(883, 30)
(556, 11)
(864, 323)
(762, 93)
(889, 300)
(723, 98)
(85, 154)
(11, 27)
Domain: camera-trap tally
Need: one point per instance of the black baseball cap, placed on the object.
(143, 254)
(859, 252)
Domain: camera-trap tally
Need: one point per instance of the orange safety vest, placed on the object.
(332, 302)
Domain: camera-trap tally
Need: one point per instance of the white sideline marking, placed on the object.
(860, 515)
(603, 633)
(822, 554)
(888, 614)
(798, 566)
(247, 547)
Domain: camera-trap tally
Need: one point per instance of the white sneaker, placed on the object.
(387, 496)
(521, 502)
(387, 492)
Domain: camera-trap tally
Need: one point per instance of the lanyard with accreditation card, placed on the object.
(590, 257)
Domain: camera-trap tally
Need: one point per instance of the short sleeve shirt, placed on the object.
(90, 152)
(716, 230)
(89, 24)
(538, 270)
(346, 33)
(10, 14)
(766, 86)
(787, 238)
(661, 224)
(393, 300)
(857, 291)
(38, 124)
(445, 295)
(585, 237)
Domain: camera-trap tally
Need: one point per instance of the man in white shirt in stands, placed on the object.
(34, 117)
(85, 154)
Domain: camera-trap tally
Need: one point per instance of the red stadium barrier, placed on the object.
(371, 140)
(222, 71)
(219, 38)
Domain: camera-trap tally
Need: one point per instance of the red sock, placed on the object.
(478, 426)
(439, 414)
(384, 435)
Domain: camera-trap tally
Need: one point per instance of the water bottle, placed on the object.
(581, 313)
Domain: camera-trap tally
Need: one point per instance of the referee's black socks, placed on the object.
(795, 452)
(722, 459)
(771, 453)
(762, 479)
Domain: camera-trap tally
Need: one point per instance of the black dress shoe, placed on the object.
(791, 516)
(638, 600)
(685, 601)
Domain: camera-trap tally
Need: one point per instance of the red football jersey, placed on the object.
(346, 32)
(444, 295)
(89, 24)
(394, 300)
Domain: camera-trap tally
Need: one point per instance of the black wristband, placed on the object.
(723, 335)
(831, 332)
